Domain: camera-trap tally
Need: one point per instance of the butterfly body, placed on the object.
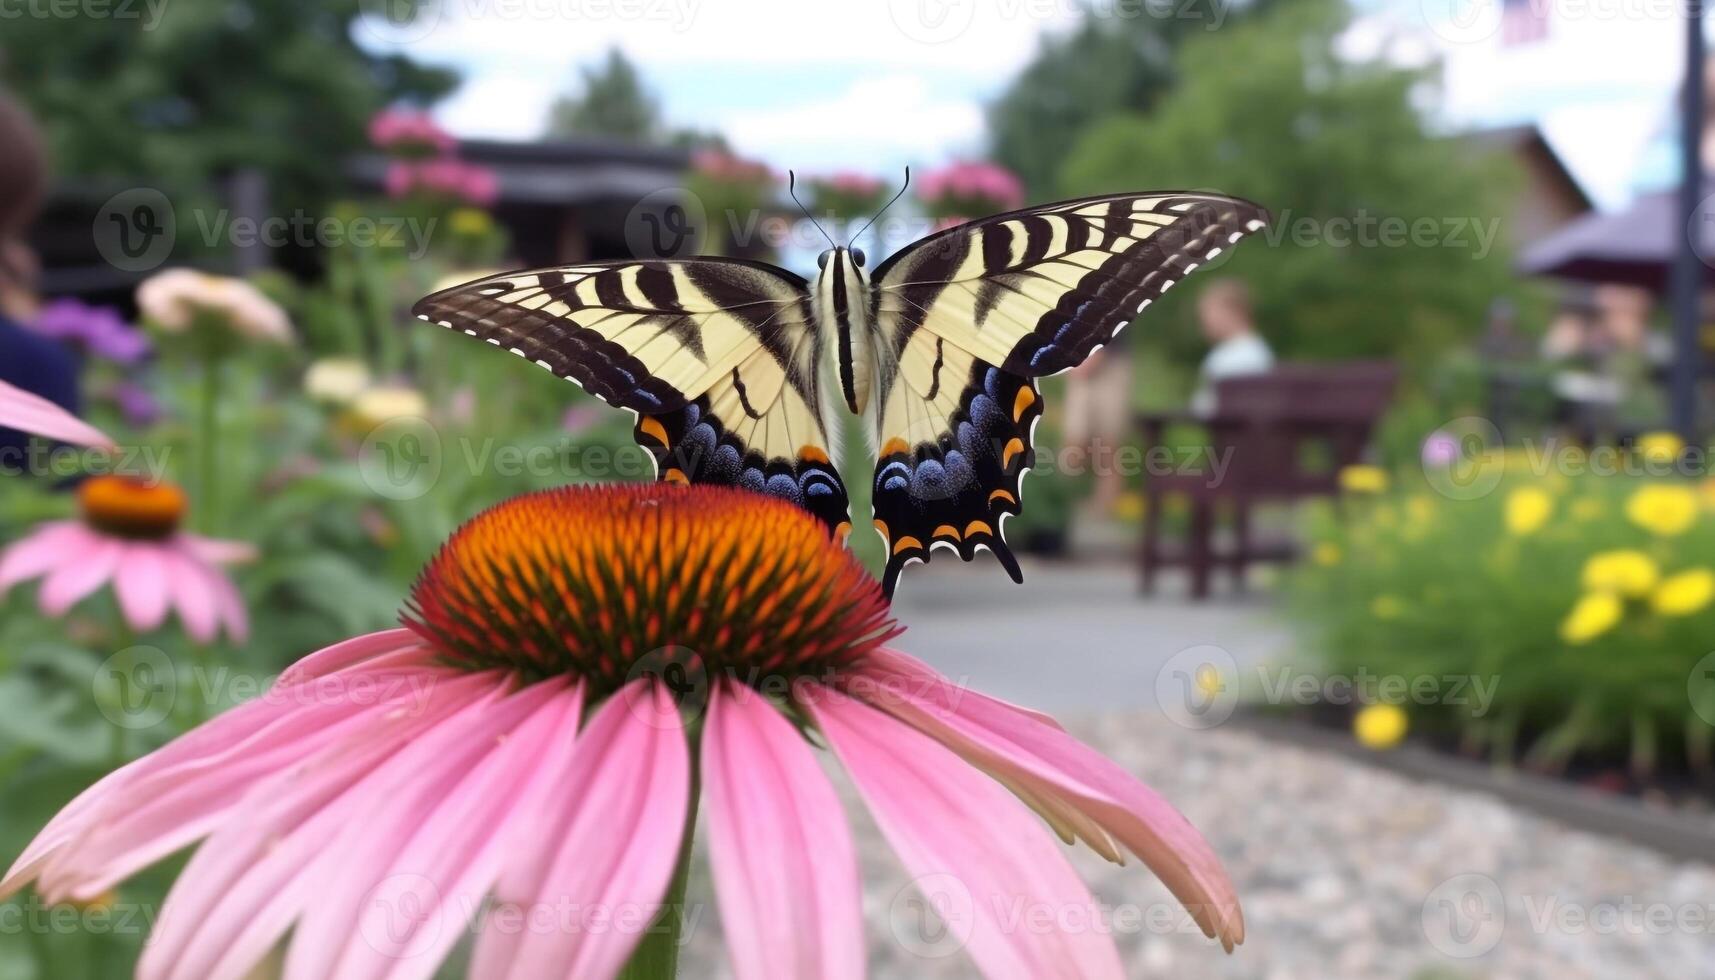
(738, 371)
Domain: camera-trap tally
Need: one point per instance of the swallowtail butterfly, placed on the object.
(737, 370)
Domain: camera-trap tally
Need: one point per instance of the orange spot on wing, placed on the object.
(1022, 401)
(906, 543)
(675, 475)
(1013, 448)
(881, 525)
(978, 527)
(894, 445)
(947, 531)
(650, 426)
(814, 454)
(1003, 495)
(843, 532)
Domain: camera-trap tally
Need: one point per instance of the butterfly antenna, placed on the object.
(792, 189)
(884, 207)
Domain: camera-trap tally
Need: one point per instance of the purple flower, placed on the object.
(97, 330)
(1440, 449)
(139, 407)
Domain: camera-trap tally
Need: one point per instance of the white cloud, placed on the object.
(875, 123)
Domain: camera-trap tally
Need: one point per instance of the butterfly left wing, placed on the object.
(717, 358)
(968, 318)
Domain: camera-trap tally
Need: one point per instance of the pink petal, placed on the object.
(193, 596)
(228, 605)
(81, 574)
(29, 412)
(51, 545)
(450, 851)
(141, 585)
(784, 866)
(971, 847)
(217, 551)
(379, 658)
(154, 815)
(612, 843)
(245, 885)
(1048, 765)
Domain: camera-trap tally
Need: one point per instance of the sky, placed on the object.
(871, 85)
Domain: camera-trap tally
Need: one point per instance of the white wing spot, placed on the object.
(1143, 304)
(516, 351)
(544, 365)
(1190, 267)
(1252, 225)
(1166, 284)
(494, 340)
(1211, 256)
(1235, 236)
(467, 330)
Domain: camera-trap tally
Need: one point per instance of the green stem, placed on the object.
(207, 510)
(657, 956)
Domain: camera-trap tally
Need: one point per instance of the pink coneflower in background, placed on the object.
(173, 301)
(970, 189)
(402, 130)
(576, 663)
(127, 535)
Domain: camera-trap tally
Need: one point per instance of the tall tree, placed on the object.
(1120, 57)
(183, 94)
(1387, 237)
(612, 101)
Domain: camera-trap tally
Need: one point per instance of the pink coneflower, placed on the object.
(576, 663)
(401, 130)
(127, 535)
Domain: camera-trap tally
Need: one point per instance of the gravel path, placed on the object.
(1345, 871)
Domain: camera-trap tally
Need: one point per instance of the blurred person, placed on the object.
(1236, 349)
(27, 360)
(1098, 411)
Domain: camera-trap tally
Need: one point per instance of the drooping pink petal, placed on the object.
(380, 659)
(448, 851)
(217, 551)
(610, 845)
(45, 549)
(1044, 762)
(784, 866)
(141, 584)
(29, 412)
(182, 799)
(80, 575)
(193, 596)
(982, 858)
(243, 888)
(228, 605)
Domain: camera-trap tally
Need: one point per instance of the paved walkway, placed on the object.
(1345, 870)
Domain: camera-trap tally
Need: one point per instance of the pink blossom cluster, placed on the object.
(443, 176)
(972, 182)
(723, 166)
(851, 182)
(402, 129)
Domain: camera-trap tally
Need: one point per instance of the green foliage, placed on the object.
(612, 101)
(1414, 583)
(1376, 246)
(203, 89)
(1118, 60)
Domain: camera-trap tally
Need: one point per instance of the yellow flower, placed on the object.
(1625, 571)
(470, 221)
(378, 405)
(1386, 607)
(1129, 507)
(1663, 508)
(1660, 447)
(1380, 726)
(1685, 593)
(1420, 508)
(336, 379)
(1528, 509)
(1594, 614)
(1363, 479)
(1326, 553)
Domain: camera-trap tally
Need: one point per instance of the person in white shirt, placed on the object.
(1224, 312)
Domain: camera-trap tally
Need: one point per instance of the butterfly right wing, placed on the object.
(716, 357)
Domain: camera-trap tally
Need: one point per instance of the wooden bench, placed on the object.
(1281, 436)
